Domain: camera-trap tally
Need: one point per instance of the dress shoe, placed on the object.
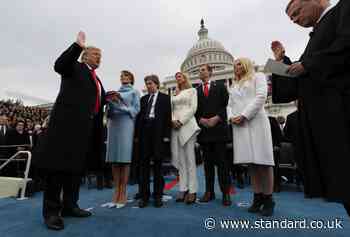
(226, 200)
(158, 202)
(75, 212)
(190, 198)
(120, 205)
(54, 223)
(143, 203)
(181, 196)
(109, 205)
(207, 197)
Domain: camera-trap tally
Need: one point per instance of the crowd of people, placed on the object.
(204, 114)
(15, 111)
(20, 127)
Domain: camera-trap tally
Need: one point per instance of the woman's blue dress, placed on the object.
(121, 123)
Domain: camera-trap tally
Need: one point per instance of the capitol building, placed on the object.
(212, 52)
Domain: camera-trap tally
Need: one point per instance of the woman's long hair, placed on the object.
(187, 84)
(248, 71)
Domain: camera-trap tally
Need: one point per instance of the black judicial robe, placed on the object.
(324, 106)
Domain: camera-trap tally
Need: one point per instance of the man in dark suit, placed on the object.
(212, 118)
(154, 127)
(3, 129)
(74, 136)
(322, 87)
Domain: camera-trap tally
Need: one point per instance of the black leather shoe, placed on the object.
(54, 223)
(207, 197)
(191, 198)
(143, 203)
(158, 202)
(75, 212)
(181, 196)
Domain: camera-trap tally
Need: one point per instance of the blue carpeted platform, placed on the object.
(23, 218)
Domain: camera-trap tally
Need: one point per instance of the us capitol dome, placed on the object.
(212, 52)
(205, 50)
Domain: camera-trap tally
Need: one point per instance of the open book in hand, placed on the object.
(116, 97)
(277, 68)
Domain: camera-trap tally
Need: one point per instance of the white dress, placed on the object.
(252, 141)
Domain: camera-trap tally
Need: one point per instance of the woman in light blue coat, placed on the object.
(121, 122)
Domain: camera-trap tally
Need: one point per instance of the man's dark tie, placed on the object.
(149, 105)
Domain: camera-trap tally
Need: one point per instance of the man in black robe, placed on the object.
(322, 88)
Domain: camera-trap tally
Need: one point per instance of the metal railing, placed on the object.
(26, 172)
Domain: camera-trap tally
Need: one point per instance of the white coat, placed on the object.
(252, 141)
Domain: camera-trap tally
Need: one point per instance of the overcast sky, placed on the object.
(144, 37)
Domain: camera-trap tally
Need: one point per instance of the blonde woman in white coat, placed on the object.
(183, 138)
(252, 141)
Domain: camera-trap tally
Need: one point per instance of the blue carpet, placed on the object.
(23, 218)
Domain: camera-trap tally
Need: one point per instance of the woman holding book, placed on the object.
(121, 123)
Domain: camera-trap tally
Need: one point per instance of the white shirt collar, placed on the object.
(325, 12)
(155, 94)
(89, 66)
(208, 82)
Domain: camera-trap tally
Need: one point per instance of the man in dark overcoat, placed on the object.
(74, 137)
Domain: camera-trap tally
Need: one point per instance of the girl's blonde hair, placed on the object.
(187, 84)
(248, 69)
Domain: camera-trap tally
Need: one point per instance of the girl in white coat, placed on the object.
(183, 138)
(252, 141)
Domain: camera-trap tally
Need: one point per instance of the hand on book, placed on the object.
(112, 96)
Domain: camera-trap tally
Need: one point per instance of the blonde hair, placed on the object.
(86, 52)
(249, 71)
(187, 84)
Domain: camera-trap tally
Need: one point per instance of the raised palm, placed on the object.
(81, 39)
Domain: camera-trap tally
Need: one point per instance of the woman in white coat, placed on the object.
(183, 137)
(252, 141)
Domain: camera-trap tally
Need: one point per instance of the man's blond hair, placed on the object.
(86, 52)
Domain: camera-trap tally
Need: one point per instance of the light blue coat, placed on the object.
(121, 125)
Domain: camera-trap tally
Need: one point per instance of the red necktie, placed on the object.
(206, 89)
(97, 102)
